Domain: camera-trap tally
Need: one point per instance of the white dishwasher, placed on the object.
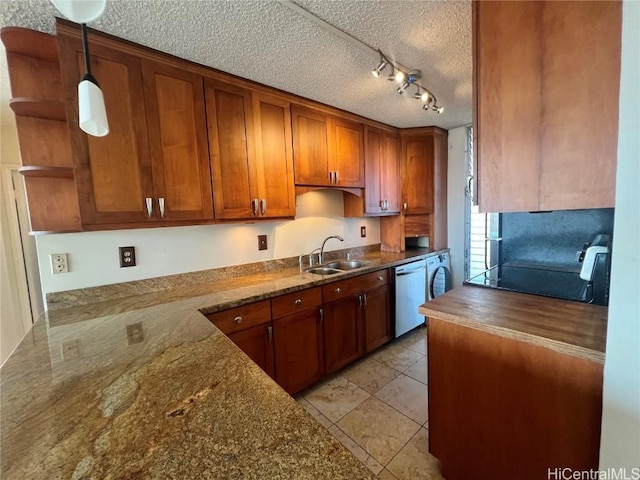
(411, 292)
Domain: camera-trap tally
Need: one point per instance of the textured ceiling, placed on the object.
(267, 42)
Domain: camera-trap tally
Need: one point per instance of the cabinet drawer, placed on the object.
(351, 286)
(294, 302)
(241, 318)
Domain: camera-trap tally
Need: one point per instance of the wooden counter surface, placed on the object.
(573, 328)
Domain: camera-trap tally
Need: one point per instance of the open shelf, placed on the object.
(30, 43)
(49, 172)
(32, 107)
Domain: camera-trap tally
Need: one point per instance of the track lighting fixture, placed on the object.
(406, 78)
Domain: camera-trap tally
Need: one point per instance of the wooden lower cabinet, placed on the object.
(378, 328)
(257, 343)
(343, 332)
(501, 408)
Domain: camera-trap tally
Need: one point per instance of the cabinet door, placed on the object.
(343, 332)
(178, 142)
(508, 47)
(299, 347)
(418, 159)
(112, 173)
(347, 153)
(578, 146)
(377, 317)
(390, 172)
(274, 157)
(257, 343)
(373, 174)
(310, 146)
(232, 150)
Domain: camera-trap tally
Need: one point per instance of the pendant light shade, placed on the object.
(92, 115)
(81, 11)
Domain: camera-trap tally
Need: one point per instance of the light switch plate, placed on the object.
(262, 242)
(363, 231)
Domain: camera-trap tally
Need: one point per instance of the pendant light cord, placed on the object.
(87, 62)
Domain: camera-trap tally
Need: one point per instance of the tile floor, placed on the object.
(377, 408)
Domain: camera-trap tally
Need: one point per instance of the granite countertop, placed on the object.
(572, 328)
(146, 387)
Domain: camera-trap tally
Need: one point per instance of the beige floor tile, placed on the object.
(369, 374)
(406, 395)
(419, 370)
(386, 475)
(414, 462)
(356, 449)
(415, 340)
(378, 428)
(396, 356)
(336, 397)
(314, 412)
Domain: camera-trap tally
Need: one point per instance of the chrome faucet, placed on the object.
(321, 256)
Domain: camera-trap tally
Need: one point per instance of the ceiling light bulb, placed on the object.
(426, 97)
(376, 71)
(400, 76)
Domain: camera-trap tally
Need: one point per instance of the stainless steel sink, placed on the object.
(346, 264)
(323, 270)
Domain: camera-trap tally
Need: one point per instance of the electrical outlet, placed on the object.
(70, 349)
(59, 263)
(262, 242)
(363, 231)
(127, 256)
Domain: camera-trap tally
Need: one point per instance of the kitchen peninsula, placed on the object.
(515, 383)
(146, 386)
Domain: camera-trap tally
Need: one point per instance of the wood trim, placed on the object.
(51, 172)
(33, 107)
(421, 131)
(302, 189)
(30, 43)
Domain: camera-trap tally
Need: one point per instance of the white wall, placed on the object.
(456, 183)
(620, 443)
(93, 256)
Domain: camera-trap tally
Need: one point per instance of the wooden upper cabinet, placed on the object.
(153, 165)
(347, 155)
(310, 146)
(113, 173)
(251, 152)
(232, 150)
(418, 173)
(328, 150)
(541, 143)
(178, 146)
(274, 156)
(382, 172)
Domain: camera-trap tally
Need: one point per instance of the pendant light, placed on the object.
(92, 114)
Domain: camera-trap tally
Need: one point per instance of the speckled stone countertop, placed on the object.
(146, 387)
(572, 328)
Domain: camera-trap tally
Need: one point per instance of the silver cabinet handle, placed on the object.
(338, 290)
(149, 202)
(337, 175)
(404, 206)
(386, 204)
(254, 207)
(270, 333)
(238, 320)
(298, 302)
(321, 316)
(382, 204)
(330, 177)
(360, 300)
(263, 206)
(365, 299)
(161, 207)
(381, 278)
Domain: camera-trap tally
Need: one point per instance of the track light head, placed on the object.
(438, 109)
(376, 71)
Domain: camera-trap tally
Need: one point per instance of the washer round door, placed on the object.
(441, 282)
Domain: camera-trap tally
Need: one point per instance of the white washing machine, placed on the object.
(438, 275)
